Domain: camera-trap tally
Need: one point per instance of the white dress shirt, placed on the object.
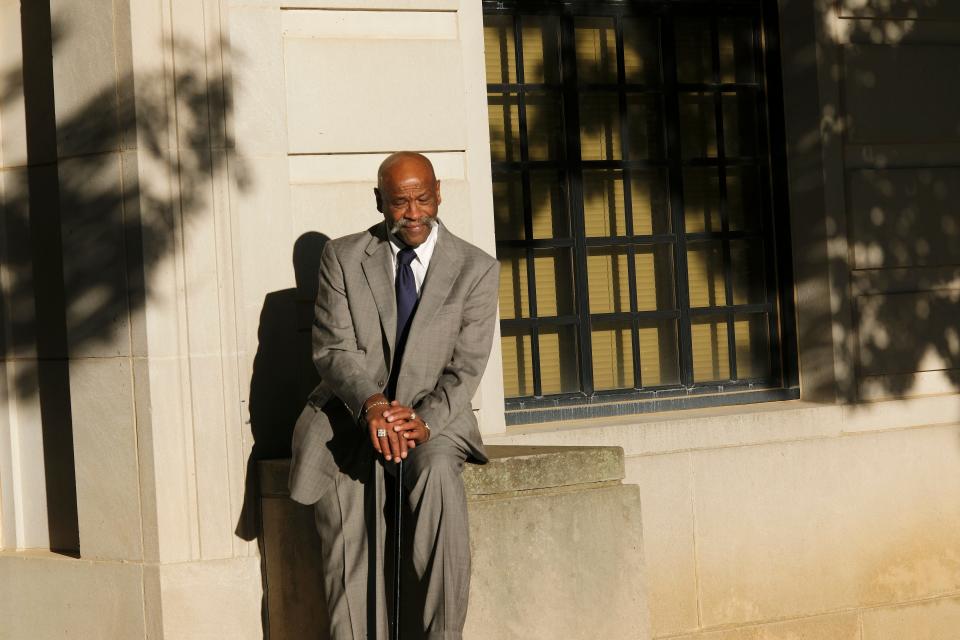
(423, 254)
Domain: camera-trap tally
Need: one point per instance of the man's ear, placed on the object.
(437, 190)
(379, 198)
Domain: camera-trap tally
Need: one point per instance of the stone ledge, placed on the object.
(511, 469)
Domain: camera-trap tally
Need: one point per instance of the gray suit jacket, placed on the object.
(353, 334)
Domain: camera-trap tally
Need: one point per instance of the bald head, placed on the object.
(408, 196)
(405, 162)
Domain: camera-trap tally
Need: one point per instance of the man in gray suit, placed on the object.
(403, 325)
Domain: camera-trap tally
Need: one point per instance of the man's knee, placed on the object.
(437, 459)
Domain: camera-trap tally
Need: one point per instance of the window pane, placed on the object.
(508, 207)
(612, 355)
(705, 269)
(747, 270)
(517, 364)
(514, 294)
(736, 50)
(541, 49)
(743, 198)
(558, 360)
(544, 126)
(651, 203)
(603, 203)
(596, 42)
(711, 360)
(740, 124)
(554, 272)
(654, 277)
(504, 117)
(645, 121)
(698, 126)
(548, 200)
(499, 49)
(694, 58)
(659, 360)
(608, 280)
(753, 346)
(599, 127)
(641, 51)
(701, 200)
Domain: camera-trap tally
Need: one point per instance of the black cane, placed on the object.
(397, 511)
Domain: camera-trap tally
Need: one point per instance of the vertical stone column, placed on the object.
(136, 260)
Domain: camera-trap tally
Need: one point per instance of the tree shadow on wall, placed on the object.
(83, 234)
(879, 282)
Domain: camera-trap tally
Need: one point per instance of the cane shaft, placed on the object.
(397, 522)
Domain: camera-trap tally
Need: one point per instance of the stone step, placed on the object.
(555, 539)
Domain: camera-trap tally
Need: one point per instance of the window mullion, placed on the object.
(628, 202)
(675, 177)
(774, 244)
(527, 208)
(722, 184)
(571, 121)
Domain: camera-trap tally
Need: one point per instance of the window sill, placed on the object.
(733, 426)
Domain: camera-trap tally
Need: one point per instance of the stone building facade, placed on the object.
(779, 361)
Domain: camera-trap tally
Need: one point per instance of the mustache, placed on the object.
(404, 222)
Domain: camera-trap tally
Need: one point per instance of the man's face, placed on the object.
(408, 198)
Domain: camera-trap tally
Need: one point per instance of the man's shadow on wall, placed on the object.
(283, 377)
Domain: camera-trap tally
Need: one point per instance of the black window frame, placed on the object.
(783, 383)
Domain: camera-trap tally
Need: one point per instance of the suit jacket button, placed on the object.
(379, 383)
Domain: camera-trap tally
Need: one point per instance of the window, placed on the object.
(639, 228)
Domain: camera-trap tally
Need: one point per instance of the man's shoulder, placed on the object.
(354, 243)
(473, 256)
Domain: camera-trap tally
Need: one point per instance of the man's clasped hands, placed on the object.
(394, 428)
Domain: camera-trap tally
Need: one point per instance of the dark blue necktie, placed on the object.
(406, 288)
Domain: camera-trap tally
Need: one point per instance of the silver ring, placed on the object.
(381, 433)
(413, 415)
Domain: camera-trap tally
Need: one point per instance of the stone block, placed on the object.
(904, 217)
(260, 111)
(898, 10)
(94, 263)
(215, 479)
(44, 596)
(13, 129)
(212, 599)
(792, 529)
(515, 469)
(85, 75)
(666, 493)
(292, 594)
(352, 24)
(687, 430)
(105, 446)
(842, 626)
(173, 460)
(334, 92)
(895, 105)
(937, 619)
(566, 564)
(263, 228)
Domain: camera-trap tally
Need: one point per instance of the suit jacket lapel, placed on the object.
(378, 269)
(443, 271)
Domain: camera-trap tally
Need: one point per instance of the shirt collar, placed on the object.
(423, 252)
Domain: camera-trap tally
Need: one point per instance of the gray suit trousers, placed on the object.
(436, 566)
